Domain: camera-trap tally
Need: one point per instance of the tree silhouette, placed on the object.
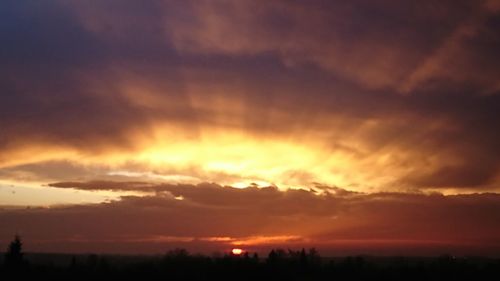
(14, 255)
(314, 257)
(303, 258)
(272, 258)
(290, 265)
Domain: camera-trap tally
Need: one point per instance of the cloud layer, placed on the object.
(209, 217)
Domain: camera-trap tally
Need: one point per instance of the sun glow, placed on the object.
(228, 157)
(251, 183)
(236, 251)
(240, 160)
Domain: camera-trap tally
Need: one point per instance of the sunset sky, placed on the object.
(356, 126)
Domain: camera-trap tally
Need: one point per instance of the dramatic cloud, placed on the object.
(383, 99)
(400, 96)
(375, 43)
(215, 217)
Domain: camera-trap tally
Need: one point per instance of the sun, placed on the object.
(236, 251)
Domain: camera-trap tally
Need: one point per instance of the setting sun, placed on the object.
(236, 251)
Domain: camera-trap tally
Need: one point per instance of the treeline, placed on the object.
(279, 264)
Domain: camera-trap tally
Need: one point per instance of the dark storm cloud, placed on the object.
(57, 85)
(43, 49)
(375, 43)
(472, 137)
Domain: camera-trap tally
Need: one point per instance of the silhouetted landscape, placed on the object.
(279, 264)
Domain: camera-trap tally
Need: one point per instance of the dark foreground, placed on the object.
(280, 265)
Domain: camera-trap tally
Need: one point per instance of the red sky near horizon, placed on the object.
(356, 127)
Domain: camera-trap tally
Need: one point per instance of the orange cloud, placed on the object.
(216, 217)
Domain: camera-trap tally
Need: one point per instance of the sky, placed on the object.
(356, 127)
